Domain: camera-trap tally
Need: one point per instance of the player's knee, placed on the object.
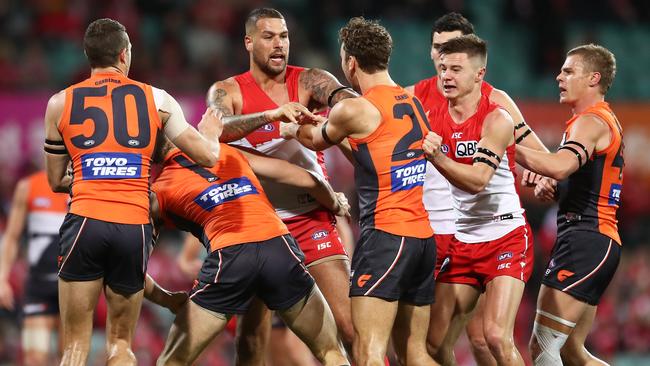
(545, 345)
(346, 331)
(119, 353)
(433, 344)
(498, 339)
(478, 344)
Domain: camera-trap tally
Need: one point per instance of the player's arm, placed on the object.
(172, 300)
(223, 96)
(56, 154)
(339, 125)
(188, 259)
(10, 240)
(281, 171)
(496, 136)
(324, 89)
(202, 147)
(586, 133)
(524, 135)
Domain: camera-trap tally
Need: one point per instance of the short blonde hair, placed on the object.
(598, 59)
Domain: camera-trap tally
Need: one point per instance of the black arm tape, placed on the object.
(480, 159)
(324, 133)
(523, 136)
(520, 125)
(54, 142)
(573, 151)
(55, 151)
(489, 153)
(578, 145)
(333, 93)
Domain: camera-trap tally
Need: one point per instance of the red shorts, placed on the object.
(316, 234)
(443, 242)
(476, 264)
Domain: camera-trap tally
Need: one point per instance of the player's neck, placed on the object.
(369, 81)
(264, 80)
(587, 101)
(465, 106)
(110, 69)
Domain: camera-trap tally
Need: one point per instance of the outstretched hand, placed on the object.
(293, 112)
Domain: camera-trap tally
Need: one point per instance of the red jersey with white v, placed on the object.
(288, 202)
(496, 210)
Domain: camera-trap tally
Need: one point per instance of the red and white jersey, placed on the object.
(495, 211)
(288, 201)
(436, 195)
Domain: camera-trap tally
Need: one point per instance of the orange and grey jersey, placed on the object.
(45, 213)
(590, 196)
(109, 126)
(389, 165)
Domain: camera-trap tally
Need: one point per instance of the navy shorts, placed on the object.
(394, 267)
(41, 295)
(90, 249)
(272, 270)
(582, 264)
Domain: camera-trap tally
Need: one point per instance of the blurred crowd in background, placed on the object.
(184, 46)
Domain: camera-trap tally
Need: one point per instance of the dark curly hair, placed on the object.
(369, 42)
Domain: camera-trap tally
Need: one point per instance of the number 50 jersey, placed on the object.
(109, 126)
(390, 166)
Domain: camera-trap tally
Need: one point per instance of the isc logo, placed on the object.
(323, 246)
(465, 149)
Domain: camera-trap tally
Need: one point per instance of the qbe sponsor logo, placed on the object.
(217, 194)
(111, 166)
(465, 149)
(408, 176)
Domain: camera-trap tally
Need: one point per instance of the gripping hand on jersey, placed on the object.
(431, 145)
(291, 112)
(343, 205)
(211, 123)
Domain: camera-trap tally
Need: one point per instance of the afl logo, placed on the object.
(134, 142)
(410, 154)
(89, 142)
(444, 148)
(267, 128)
(320, 234)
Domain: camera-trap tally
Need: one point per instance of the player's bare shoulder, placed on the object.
(55, 106)
(357, 116)
(225, 95)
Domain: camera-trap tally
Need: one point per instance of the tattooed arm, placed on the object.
(320, 84)
(226, 97)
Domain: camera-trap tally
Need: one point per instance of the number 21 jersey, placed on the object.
(390, 166)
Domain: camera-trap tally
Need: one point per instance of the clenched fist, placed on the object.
(431, 145)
